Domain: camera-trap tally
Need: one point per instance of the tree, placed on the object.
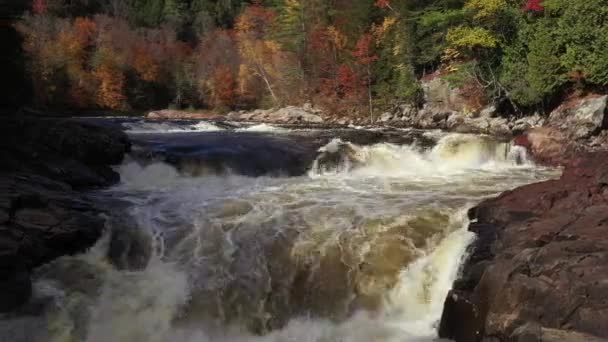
(224, 87)
(364, 55)
(39, 7)
(110, 93)
(257, 51)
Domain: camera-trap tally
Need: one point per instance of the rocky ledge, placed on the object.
(539, 268)
(44, 214)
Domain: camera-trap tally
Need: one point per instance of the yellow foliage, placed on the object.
(336, 37)
(380, 31)
(471, 37)
(486, 8)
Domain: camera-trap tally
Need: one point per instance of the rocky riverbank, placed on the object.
(538, 270)
(44, 213)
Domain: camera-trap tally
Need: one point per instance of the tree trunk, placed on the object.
(369, 94)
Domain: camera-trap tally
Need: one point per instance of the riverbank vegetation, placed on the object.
(347, 56)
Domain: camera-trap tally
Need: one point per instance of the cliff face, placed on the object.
(539, 268)
(43, 213)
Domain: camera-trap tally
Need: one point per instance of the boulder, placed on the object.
(488, 112)
(293, 114)
(179, 114)
(386, 117)
(580, 118)
(438, 93)
(523, 124)
(547, 146)
(543, 251)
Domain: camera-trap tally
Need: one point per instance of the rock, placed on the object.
(580, 118)
(42, 216)
(488, 112)
(290, 114)
(463, 320)
(407, 110)
(439, 94)
(548, 146)
(386, 117)
(523, 124)
(15, 283)
(499, 126)
(293, 114)
(179, 114)
(543, 252)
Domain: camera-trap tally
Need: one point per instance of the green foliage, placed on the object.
(169, 50)
(461, 74)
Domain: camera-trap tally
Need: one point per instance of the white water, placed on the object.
(263, 128)
(169, 127)
(380, 236)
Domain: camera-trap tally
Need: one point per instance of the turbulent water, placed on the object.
(363, 246)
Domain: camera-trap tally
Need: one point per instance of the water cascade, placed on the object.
(363, 247)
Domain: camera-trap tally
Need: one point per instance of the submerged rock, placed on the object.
(543, 252)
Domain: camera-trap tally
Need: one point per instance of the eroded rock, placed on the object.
(543, 254)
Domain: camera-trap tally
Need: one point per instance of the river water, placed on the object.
(262, 233)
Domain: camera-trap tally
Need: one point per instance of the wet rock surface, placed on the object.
(539, 268)
(43, 212)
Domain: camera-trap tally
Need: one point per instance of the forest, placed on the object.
(349, 56)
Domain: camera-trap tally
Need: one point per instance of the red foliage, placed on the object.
(348, 81)
(382, 3)
(39, 6)
(534, 6)
(363, 50)
(224, 87)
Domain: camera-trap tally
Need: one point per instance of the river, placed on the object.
(262, 233)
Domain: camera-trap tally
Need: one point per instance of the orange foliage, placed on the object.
(145, 66)
(85, 30)
(224, 87)
(110, 93)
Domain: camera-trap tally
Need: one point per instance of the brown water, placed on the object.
(362, 248)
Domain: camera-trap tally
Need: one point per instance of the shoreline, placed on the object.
(538, 268)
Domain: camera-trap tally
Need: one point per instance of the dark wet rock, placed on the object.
(469, 324)
(43, 215)
(542, 253)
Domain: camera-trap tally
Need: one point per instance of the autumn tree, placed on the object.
(110, 93)
(365, 56)
(255, 46)
(224, 87)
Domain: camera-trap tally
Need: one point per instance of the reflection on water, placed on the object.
(362, 248)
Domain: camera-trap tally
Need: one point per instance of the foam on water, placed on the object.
(263, 128)
(364, 248)
(169, 127)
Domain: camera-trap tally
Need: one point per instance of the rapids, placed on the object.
(363, 246)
